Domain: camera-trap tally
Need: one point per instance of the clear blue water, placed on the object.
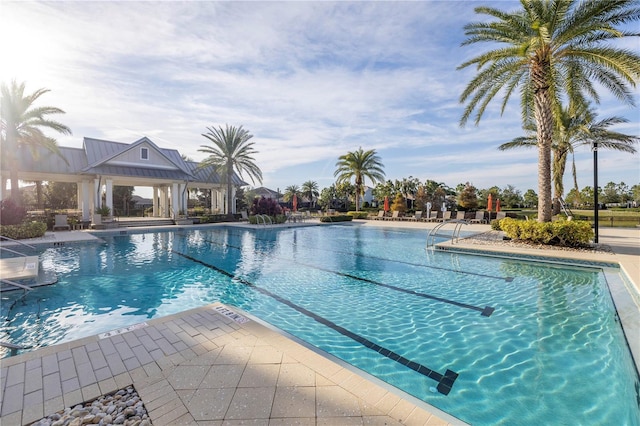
(551, 352)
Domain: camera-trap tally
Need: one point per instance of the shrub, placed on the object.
(24, 230)
(11, 213)
(358, 215)
(266, 206)
(337, 218)
(495, 225)
(562, 232)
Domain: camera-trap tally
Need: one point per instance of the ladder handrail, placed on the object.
(2, 238)
(15, 284)
(13, 251)
(454, 235)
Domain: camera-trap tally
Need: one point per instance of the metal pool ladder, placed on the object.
(264, 219)
(455, 234)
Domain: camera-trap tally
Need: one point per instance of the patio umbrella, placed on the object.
(386, 204)
(295, 202)
(498, 205)
(490, 202)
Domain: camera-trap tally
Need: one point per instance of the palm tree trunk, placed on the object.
(544, 123)
(229, 195)
(559, 165)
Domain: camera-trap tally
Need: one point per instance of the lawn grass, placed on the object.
(627, 218)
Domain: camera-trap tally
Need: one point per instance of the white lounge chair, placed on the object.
(433, 216)
(245, 217)
(394, 216)
(61, 222)
(479, 217)
(416, 217)
(446, 215)
(460, 215)
(380, 215)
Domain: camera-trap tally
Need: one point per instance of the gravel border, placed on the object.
(122, 407)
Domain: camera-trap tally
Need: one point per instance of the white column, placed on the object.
(213, 194)
(164, 203)
(175, 200)
(155, 198)
(233, 200)
(85, 203)
(184, 196)
(109, 194)
(97, 194)
(3, 187)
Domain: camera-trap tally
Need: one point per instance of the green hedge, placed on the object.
(337, 218)
(565, 233)
(358, 215)
(24, 230)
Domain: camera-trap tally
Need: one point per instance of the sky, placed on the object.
(309, 80)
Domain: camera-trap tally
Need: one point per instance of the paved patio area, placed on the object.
(216, 365)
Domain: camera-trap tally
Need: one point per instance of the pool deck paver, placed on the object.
(207, 369)
(199, 367)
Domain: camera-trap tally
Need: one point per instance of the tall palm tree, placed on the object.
(576, 127)
(231, 152)
(359, 164)
(21, 126)
(549, 49)
(310, 190)
(289, 192)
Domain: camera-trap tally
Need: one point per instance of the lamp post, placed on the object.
(595, 190)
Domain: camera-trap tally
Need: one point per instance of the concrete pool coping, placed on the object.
(286, 382)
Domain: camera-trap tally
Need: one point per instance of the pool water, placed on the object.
(488, 340)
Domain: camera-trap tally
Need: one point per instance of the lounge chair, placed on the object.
(394, 216)
(245, 217)
(416, 217)
(433, 216)
(479, 217)
(501, 215)
(379, 216)
(460, 215)
(446, 215)
(61, 222)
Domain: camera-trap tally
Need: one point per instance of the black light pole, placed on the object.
(595, 190)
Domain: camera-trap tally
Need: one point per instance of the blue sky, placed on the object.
(310, 80)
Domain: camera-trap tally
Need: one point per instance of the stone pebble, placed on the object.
(122, 407)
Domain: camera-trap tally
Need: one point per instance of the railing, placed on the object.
(15, 284)
(455, 235)
(565, 207)
(264, 218)
(3, 238)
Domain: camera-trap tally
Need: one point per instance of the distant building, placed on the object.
(267, 193)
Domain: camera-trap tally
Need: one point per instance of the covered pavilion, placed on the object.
(100, 165)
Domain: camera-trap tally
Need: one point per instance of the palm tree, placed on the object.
(231, 151)
(310, 190)
(21, 126)
(359, 165)
(550, 49)
(289, 192)
(576, 127)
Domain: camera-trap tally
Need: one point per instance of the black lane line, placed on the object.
(445, 381)
(494, 277)
(486, 311)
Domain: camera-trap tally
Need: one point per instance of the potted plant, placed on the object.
(100, 212)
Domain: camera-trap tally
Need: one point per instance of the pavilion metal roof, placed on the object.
(93, 159)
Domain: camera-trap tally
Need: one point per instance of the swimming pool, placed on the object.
(491, 341)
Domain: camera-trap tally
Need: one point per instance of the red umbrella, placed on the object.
(498, 205)
(386, 204)
(490, 202)
(295, 202)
